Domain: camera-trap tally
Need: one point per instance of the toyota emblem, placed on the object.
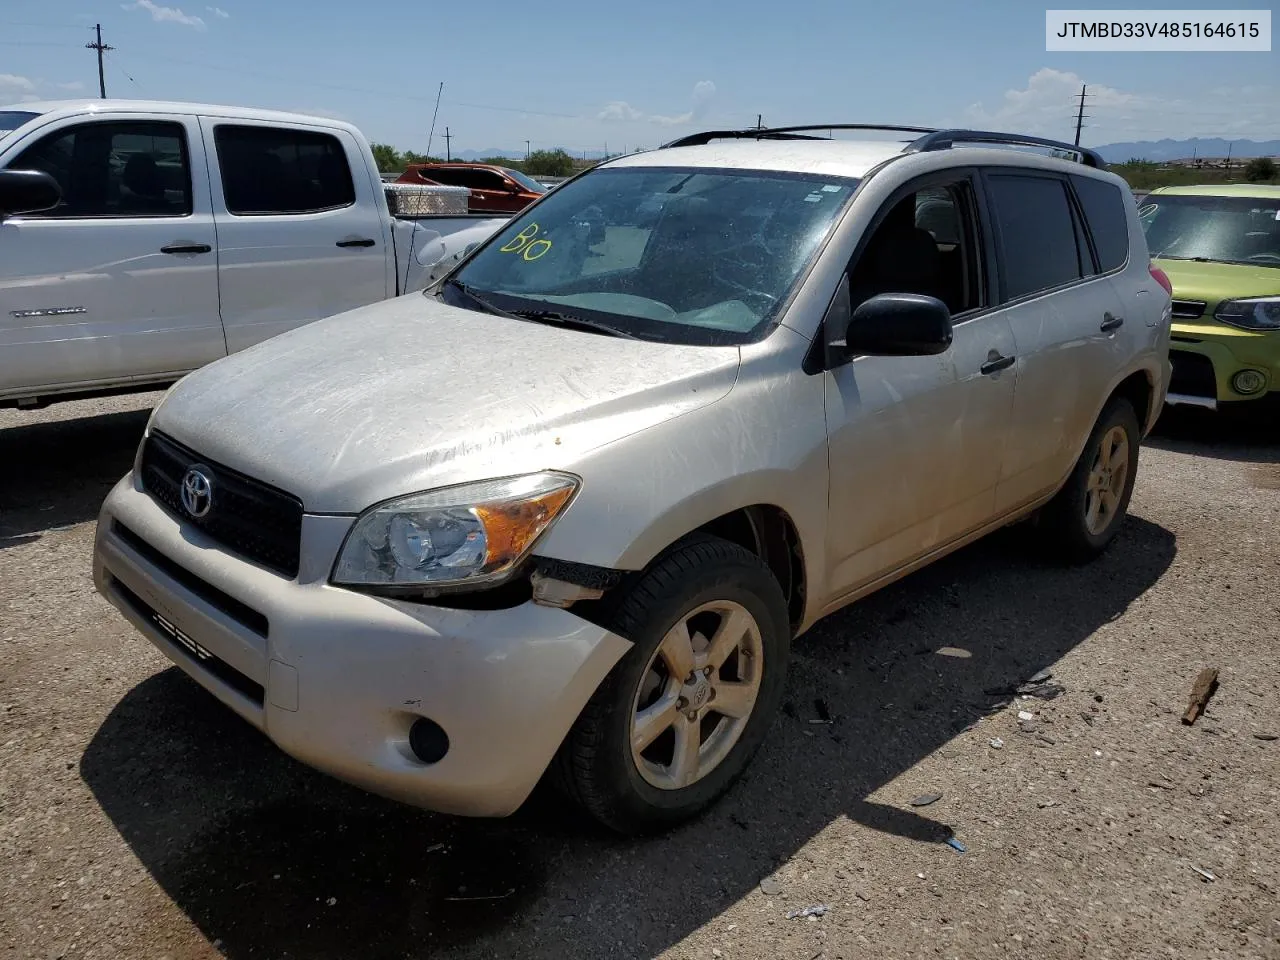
(197, 493)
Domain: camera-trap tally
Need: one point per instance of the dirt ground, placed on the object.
(140, 819)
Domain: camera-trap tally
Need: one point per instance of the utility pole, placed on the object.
(759, 121)
(101, 48)
(1080, 113)
(448, 151)
(528, 150)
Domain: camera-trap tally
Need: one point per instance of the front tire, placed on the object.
(681, 715)
(1087, 513)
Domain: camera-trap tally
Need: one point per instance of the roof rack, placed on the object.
(784, 133)
(946, 139)
(931, 138)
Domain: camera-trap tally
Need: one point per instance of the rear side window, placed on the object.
(1036, 231)
(1104, 210)
(470, 177)
(268, 170)
(114, 169)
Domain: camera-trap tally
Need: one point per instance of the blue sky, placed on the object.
(584, 74)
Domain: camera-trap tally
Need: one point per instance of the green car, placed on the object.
(1220, 247)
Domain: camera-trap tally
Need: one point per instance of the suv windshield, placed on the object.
(11, 120)
(1226, 229)
(691, 255)
(533, 186)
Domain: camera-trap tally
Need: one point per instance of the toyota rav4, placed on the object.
(564, 513)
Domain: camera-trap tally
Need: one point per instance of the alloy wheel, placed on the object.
(697, 694)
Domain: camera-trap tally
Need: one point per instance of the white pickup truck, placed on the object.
(141, 240)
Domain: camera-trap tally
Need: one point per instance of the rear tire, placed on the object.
(728, 604)
(1086, 515)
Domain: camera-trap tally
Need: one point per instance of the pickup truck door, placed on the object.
(303, 229)
(119, 282)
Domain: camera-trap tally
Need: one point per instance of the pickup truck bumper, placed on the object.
(337, 678)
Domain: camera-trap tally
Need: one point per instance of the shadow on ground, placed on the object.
(1247, 434)
(272, 860)
(56, 473)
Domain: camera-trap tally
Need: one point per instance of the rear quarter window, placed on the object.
(1108, 220)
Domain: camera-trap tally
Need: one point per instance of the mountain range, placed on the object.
(1161, 150)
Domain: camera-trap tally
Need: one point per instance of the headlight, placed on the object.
(1254, 313)
(472, 534)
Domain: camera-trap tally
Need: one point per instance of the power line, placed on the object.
(115, 60)
(101, 48)
(43, 26)
(389, 94)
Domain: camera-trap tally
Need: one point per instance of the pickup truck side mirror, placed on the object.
(27, 191)
(893, 325)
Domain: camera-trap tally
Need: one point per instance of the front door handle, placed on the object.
(1110, 323)
(362, 242)
(996, 363)
(187, 248)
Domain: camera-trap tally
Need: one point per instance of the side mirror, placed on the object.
(27, 191)
(897, 325)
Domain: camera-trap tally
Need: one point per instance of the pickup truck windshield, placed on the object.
(1223, 229)
(11, 120)
(691, 255)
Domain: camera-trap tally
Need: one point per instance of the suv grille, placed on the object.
(1192, 375)
(1188, 309)
(258, 522)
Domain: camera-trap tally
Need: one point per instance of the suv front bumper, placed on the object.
(336, 678)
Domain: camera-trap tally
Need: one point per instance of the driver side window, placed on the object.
(926, 244)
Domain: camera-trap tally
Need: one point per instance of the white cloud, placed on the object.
(620, 110)
(1043, 106)
(164, 14)
(1046, 106)
(219, 12)
(14, 88)
(71, 87)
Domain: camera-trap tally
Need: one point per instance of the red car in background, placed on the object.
(493, 189)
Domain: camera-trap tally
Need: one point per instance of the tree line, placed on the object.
(1147, 175)
(539, 163)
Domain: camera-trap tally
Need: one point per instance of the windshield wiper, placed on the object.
(1166, 256)
(481, 302)
(571, 322)
(549, 317)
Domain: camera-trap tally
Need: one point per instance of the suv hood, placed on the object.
(1212, 282)
(410, 394)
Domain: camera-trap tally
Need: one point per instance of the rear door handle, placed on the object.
(362, 242)
(187, 248)
(996, 364)
(1110, 323)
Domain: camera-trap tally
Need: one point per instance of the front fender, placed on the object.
(764, 443)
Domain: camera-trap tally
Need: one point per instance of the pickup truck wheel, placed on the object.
(1086, 514)
(680, 716)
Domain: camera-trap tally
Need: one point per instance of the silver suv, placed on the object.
(565, 513)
